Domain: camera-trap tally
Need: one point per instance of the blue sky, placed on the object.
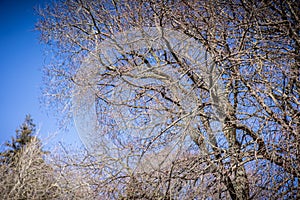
(21, 62)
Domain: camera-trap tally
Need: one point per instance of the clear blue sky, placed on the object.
(21, 62)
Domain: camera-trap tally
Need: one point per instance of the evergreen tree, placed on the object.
(24, 135)
(24, 173)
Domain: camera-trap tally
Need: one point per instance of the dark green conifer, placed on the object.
(24, 135)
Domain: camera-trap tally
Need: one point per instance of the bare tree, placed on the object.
(28, 176)
(181, 99)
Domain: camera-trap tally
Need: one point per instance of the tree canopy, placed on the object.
(181, 99)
